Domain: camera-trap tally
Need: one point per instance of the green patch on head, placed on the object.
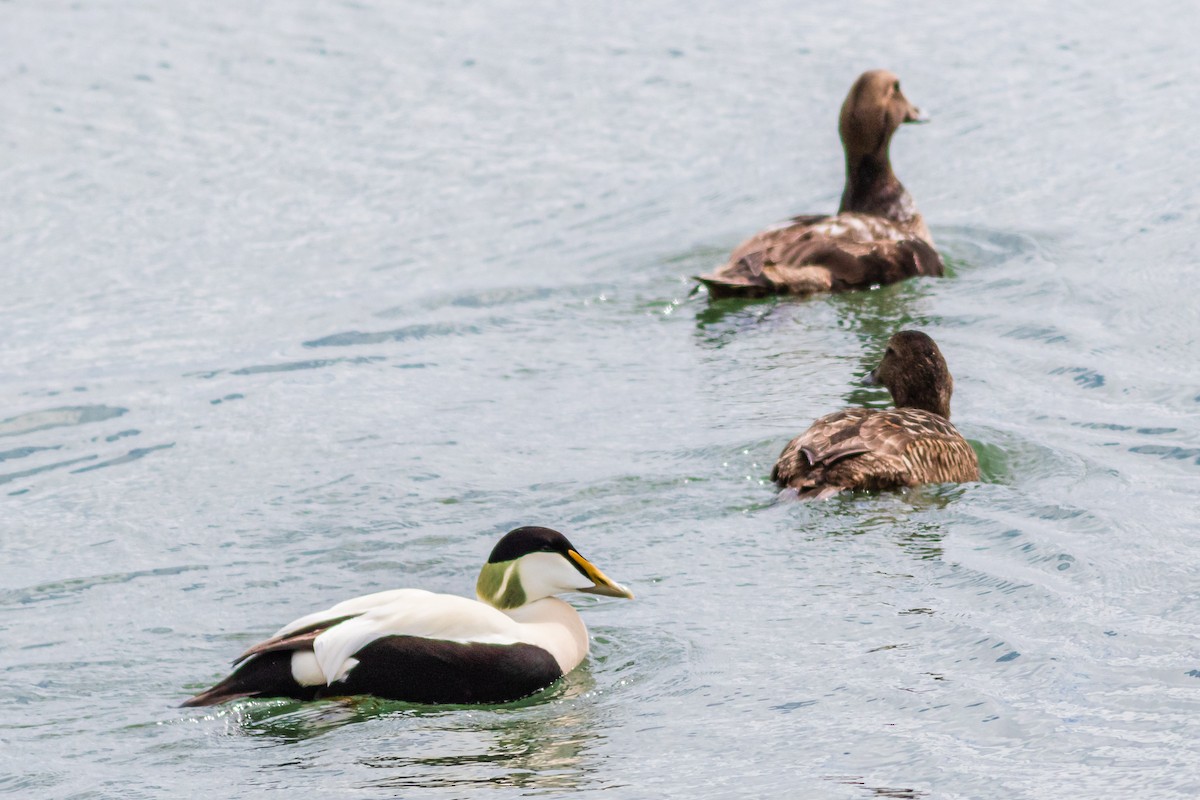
(499, 585)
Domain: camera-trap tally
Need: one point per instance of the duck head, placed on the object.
(873, 110)
(531, 563)
(915, 373)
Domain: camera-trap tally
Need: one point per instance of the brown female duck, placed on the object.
(876, 237)
(874, 449)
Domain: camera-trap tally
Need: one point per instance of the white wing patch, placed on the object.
(305, 670)
(355, 605)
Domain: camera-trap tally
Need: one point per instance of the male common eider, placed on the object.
(872, 449)
(421, 647)
(876, 237)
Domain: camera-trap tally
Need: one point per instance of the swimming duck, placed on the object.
(421, 647)
(876, 237)
(873, 449)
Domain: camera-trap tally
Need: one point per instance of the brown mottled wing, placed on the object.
(875, 449)
(742, 275)
(853, 265)
(824, 253)
(831, 437)
(295, 640)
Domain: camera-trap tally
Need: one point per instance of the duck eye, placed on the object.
(896, 87)
(889, 352)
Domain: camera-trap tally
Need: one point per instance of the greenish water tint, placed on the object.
(312, 300)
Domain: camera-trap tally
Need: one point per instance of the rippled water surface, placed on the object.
(304, 300)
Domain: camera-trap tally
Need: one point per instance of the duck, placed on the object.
(867, 449)
(516, 639)
(877, 235)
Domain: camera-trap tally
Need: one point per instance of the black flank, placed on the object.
(420, 670)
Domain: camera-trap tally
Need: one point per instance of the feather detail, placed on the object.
(849, 251)
(871, 449)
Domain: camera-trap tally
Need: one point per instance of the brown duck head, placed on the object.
(873, 110)
(914, 371)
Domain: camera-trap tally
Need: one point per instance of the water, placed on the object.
(317, 299)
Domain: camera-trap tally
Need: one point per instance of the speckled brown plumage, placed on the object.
(877, 449)
(877, 236)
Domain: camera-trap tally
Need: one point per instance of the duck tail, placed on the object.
(819, 492)
(267, 675)
(730, 286)
(214, 696)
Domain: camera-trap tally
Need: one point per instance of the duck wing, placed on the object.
(442, 617)
(833, 437)
(336, 634)
(869, 449)
(811, 254)
(299, 633)
(414, 645)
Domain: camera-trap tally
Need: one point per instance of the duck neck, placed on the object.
(934, 399)
(872, 188)
(499, 585)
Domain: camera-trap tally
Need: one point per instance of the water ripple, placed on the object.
(292, 366)
(60, 590)
(132, 455)
(57, 418)
(408, 332)
(22, 452)
(12, 476)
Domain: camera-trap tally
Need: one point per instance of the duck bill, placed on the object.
(916, 115)
(871, 379)
(601, 583)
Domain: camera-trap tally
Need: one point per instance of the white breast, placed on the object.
(556, 627)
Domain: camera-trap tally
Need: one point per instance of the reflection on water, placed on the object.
(871, 316)
(877, 314)
(877, 791)
(907, 517)
(540, 742)
(552, 749)
(719, 322)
